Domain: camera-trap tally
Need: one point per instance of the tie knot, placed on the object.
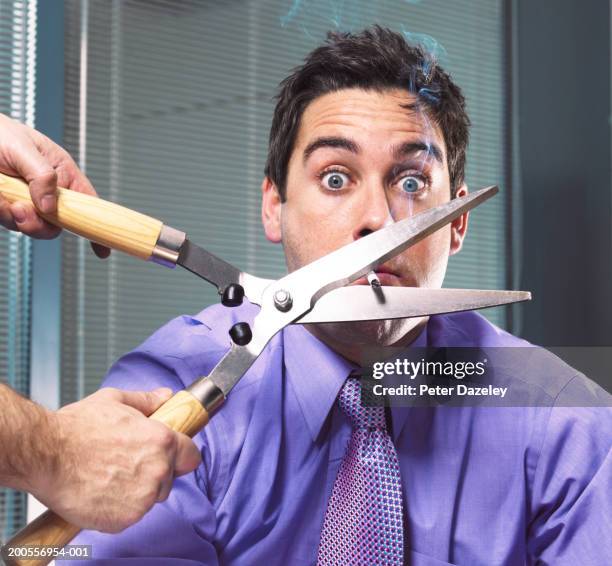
(360, 416)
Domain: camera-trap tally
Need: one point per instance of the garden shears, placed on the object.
(316, 293)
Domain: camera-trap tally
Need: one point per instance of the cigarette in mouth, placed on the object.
(373, 279)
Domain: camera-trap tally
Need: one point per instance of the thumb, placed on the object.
(146, 402)
(188, 456)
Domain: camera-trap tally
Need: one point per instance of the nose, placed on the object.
(374, 211)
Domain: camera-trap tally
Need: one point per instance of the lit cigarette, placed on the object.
(373, 279)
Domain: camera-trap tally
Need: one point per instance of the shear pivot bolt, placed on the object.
(283, 300)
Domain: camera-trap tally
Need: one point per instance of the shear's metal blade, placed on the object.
(350, 262)
(361, 302)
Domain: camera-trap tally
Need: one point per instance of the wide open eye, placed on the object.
(411, 184)
(334, 180)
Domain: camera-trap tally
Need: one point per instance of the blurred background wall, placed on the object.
(563, 125)
(166, 104)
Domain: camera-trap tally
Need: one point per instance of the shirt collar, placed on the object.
(316, 374)
(463, 329)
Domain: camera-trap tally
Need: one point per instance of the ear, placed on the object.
(271, 210)
(459, 225)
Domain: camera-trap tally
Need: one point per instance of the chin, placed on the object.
(367, 333)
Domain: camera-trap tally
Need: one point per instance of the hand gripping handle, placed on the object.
(93, 218)
(182, 413)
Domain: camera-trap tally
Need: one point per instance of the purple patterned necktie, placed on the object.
(364, 520)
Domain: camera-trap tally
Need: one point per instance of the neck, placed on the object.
(352, 340)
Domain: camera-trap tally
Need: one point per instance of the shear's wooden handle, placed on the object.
(182, 413)
(97, 220)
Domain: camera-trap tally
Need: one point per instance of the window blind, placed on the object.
(17, 37)
(168, 108)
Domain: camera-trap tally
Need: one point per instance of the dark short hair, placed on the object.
(374, 59)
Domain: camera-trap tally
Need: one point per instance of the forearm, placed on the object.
(27, 440)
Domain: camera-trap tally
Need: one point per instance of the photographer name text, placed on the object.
(423, 389)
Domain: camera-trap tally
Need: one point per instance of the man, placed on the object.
(100, 463)
(367, 131)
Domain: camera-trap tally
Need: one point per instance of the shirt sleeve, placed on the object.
(181, 530)
(570, 504)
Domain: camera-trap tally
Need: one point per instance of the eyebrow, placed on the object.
(414, 147)
(342, 143)
(401, 151)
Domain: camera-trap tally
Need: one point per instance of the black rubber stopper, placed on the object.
(241, 333)
(233, 295)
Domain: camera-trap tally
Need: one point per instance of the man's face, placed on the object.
(362, 161)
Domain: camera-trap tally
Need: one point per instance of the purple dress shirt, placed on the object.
(482, 485)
